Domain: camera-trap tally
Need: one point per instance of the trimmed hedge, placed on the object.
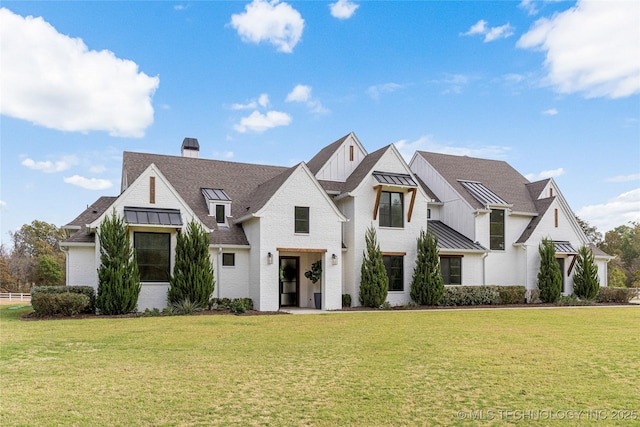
(615, 295)
(346, 300)
(65, 304)
(88, 291)
(482, 295)
(236, 305)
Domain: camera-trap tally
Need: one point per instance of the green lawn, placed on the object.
(435, 367)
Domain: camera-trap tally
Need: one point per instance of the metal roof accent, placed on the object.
(152, 216)
(394, 178)
(190, 144)
(563, 247)
(450, 239)
(482, 194)
(215, 194)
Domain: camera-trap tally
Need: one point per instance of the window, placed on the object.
(391, 209)
(228, 260)
(496, 229)
(302, 220)
(153, 252)
(220, 216)
(395, 271)
(451, 270)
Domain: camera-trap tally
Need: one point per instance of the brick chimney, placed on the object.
(190, 148)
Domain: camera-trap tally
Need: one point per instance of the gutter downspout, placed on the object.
(218, 271)
(484, 268)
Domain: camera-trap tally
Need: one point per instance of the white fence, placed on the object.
(13, 296)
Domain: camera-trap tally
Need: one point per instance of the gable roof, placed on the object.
(83, 235)
(496, 175)
(363, 169)
(189, 176)
(323, 156)
(542, 205)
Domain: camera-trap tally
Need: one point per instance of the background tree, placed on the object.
(585, 280)
(623, 242)
(592, 233)
(49, 272)
(30, 243)
(118, 275)
(192, 277)
(549, 276)
(374, 283)
(427, 285)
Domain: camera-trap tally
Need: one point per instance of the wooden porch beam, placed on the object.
(375, 208)
(413, 192)
(302, 250)
(573, 261)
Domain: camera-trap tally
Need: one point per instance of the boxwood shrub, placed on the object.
(65, 304)
(615, 295)
(84, 290)
(482, 295)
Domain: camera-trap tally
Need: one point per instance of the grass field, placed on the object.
(437, 367)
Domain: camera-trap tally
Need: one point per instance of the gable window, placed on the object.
(496, 229)
(391, 209)
(395, 271)
(302, 219)
(228, 260)
(153, 253)
(451, 268)
(220, 216)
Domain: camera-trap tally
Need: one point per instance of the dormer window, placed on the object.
(219, 204)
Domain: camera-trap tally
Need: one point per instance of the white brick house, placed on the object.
(269, 224)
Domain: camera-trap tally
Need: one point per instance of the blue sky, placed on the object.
(551, 87)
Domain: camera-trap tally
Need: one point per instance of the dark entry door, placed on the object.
(289, 281)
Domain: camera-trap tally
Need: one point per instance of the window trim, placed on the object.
(390, 218)
(299, 223)
(448, 278)
(502, 235)
(390, 256)
(136, 235)
(228, 255)
(223, 218)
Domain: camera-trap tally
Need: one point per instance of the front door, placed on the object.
(289, 281)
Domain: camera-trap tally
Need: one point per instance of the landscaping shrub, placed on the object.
(470, 295)
(615, 295)
(374, 283)
(346, 300)
(427, 285)
(585, 280)
(573, 300)
(84, 290)
(511, 294)
(549, 276)
(185, 306)
(65, 304)
(236, 305)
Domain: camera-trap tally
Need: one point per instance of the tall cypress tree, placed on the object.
(585, 280)
(374, 283)
(549, 276)
(192, 277)
(427, 285)
(118, 275)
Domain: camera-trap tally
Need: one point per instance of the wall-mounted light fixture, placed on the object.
(334, 259)
(269, 258)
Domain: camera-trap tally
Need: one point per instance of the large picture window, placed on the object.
(153, 252)
(496, 229)
(391, 209)
(451, 268)
(302, 220)
(395, 271)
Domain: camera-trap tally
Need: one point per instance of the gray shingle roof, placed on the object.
(542, 205)
(319, 160)
(498, 176)
(88, 216)
(363, 169)
(189, 175)
(450, 239)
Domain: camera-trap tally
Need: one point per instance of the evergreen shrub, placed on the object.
(65, 304)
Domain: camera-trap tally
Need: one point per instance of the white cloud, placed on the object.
(3, 204)
(615, 212)
(624, 178)
(49, 166)
(550, 112)
(302, 93)
(278, 23)
(258, 122)
(89, 183)
(427, 143)
(262, 101)
(552, 173)
(377, 90)
(55, 81)
(223, 154)
(591, 48)
(343, 9)
(529, 6)
(455, 82)
(490, 33)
